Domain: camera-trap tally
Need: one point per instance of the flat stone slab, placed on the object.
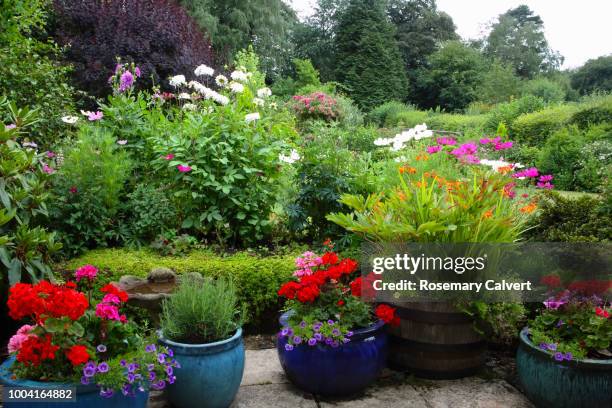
(262, 367)
(402, 396)
(272, 396)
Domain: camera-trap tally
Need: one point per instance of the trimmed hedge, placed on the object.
(257, 278)
(534, 128)
(593, 113)
(457, 123)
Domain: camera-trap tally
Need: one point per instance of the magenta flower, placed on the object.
(93, 116)
(9, 127)
(527, 173)
(503, 145)
(168, 156)
(74, 190)
(183, 168)
(545, 186)
(465, 149)
(126, 81)
(50, 155)
(545, 178)
(47, 169)
(446, 141)
(137, 72)
(433, 149)
(86, 271)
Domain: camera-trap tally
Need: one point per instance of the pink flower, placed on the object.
(433, 149)
(527, 173)
(545, 178)
(93, 116)
(503, 145)
(17, 340)
(183, 168)
(110, 298)
(446, 141)
(50, 155)
(74, 190)
(9, 127)
(137, 72)
(107, 311)
(547, 185)
(465, 149)
(168, 156)
(86, 271)
(47, 169)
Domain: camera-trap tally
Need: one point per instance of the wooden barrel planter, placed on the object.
(435, 340)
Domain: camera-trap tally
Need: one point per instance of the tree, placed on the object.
(234, 25)
(314, 39)
(369, 63)
(594, 75)
(453, 77)
(158, 35)
(517, 38)
(420, 28)
(499, 84)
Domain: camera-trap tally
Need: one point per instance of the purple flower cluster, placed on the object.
(325, 333)
(124, 77)
(552, 347)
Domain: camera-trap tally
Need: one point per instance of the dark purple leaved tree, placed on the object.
(158, 35)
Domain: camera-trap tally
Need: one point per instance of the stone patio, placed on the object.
(265, 386)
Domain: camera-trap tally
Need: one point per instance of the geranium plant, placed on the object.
(81, 336)
(576, 321)
(326, 303)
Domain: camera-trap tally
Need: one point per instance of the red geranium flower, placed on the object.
(78, 355)
(386, 313)
(602, 312)
(34, 350)
(329, 258)
(113, 290)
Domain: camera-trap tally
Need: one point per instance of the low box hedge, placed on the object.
(534, 128)
(257, 278)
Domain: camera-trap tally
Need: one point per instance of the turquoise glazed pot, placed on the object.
(336, 372)
(210, 374)
(87, 396)
(566, 384)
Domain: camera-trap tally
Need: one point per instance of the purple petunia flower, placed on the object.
(169, 370)
(150, 367)
(151, 376)
(349, 334)
(89, 371)
(568, 356)
(297, 339)
(85, 380)
(170, 353)
(132, 367)
(317, 326)
(312, 341)
(336, 332)
(284, 332)
(552, 346)
(330, 322)
(335, 343)
(106, 392)
(559, 356)
(161, 357)
(131, 377)
(543, 346)
(150, 348)
(288, 347)
(101, 348)
(103, 367)
(171, 379)
(126, 389)
(303, 324)
(318, 336)
(123, 363)
(329, 341)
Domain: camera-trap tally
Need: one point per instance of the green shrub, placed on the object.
(507, 112)
(149, 212)
(380, 114)
(549, 91)
(567, 219)
(595, 111)
(457, 123)
(407, 119)
(534, 128)
(25, 247)
(305, 73)
(560, 156)
(257, 278)
(350, 114)
(88, 191)
(595, 165)
(526, 155)
(200, 311)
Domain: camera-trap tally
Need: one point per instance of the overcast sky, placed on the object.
(580, 30)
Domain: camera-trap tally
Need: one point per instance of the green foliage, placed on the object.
(368, 61)
(472, 124)
(380, 114)
(151, 212)
(517, 39)
(305, 73)
(549, 91)
(499, 83)
(595, 166)
(350, 114)
(452, 79)
(507, 112)
(257, 278)
(595, 110)
(30, 74)
(560, 156)
(200, 311)
(594, 75)
(534, 128)
(89, 189)
(585, 218)
(499, 323)
(25, 247)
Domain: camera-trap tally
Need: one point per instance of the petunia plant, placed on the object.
(326, 303)
(78, 334)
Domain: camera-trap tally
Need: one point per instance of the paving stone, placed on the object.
(272, 396)
(262, 367)
(472, 392)
(401, 396)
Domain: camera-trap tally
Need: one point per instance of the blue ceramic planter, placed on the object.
(340, 371)
(567, 384)
(210, 374)
(87, 396)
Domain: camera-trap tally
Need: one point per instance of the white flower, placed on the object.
(397, 143)
(400, 159)
(258, 101)
(177, 80)
(494, 164)
(381, 141)
(252, 117)
(239, 76)
(292, 158)
(30, 145)
(236, 87)
(184, 95)
(204, 70)
(217, 97)
(71, 120)
(190, 106)
(264, 92)
(122, 142)
(221, 80)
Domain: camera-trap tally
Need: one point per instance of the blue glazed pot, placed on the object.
(336, 372)
(566, 384)
(87, 396)
(210, 374)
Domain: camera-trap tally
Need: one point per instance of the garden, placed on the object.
(192, 191)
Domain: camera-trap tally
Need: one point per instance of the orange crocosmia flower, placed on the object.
(420, 184)
(423, 157)
(504, 169)
(529, 208)
(487, 214)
